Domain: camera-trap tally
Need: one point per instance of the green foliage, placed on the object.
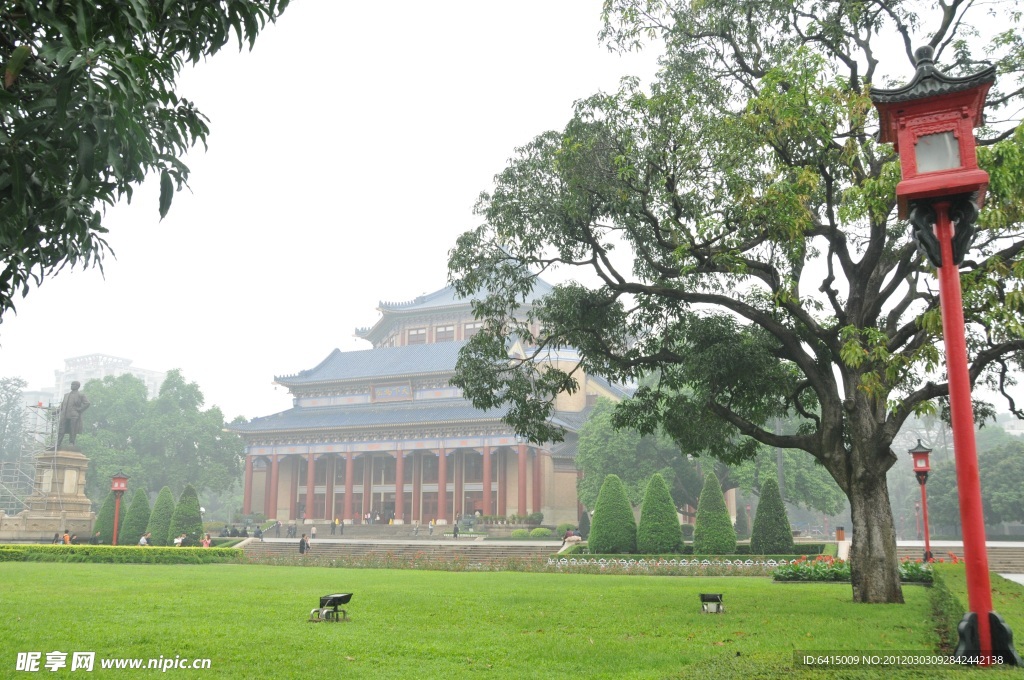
(687, 532)
(12, 418)
(540, 532)
(90, 109)
(520, 533)
(1000, 468)
(614, 528)
(121, 554)
(713, 533)
(733, 182)
(167, 441)
(160, 519)
(659, 531)
(771, 533)
(819, 569)
(563, 527)
(535, 518)
(186, 518)
(585, 525)
(605, 449)
(105, 518)
(135, 520)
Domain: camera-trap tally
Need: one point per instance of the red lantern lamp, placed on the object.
(931, 122)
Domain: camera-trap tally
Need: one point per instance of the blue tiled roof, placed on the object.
(447, 297)
(381, 362)
(370, 415)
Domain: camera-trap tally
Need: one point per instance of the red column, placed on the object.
(274, 479)
(332, 461)
(293, 501)
(266, 490)
(117, 515)
(442, 484)
(367, 482)
(459, 461)
(503, 483)
(349, 471)
(522, 479)
(417, 473)
(310, 480)
(537, 469)
(247, 494)
(924, 512)
(972, 519)
(487, 480)
(399, 487)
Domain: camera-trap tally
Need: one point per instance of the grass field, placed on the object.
(250, 621)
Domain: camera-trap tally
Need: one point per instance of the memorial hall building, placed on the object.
(381, 432)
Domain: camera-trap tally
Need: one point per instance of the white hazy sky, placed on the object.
(345, 156)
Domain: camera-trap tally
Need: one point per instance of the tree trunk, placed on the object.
(874, 567)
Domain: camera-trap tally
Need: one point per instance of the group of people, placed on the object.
(179, 541)
(67, 538)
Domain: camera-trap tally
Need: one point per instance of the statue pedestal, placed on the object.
(58, 502)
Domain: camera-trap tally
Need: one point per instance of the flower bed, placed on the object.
(826, 568)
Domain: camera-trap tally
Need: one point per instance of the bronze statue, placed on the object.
(69, 420)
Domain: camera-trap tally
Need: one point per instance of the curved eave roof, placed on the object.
(378, 364)
(362, 416)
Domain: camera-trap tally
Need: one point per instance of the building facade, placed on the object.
(99, 366)
(382, 433)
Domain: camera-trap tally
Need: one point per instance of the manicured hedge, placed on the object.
(108, 554)
(186, 518)
(771, 532)
(160, 519)
(713, 533)
(135, 520)
(659, 530)
(614, 529)
(585, 525)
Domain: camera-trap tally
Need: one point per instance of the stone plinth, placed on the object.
(58, 502)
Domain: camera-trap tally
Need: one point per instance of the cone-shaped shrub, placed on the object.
(742, 522)
(585, 525)
(187, 518)
(105, 519)
(659, 531)
(160, 519)
(772, 534)
(713, 533)
(135, 520)
(613, 530)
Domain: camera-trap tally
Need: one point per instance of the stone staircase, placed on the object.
(477, 551)
(1003, 559)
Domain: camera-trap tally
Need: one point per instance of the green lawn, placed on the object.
(251, 622)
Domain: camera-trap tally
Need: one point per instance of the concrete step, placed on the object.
(1002, 559)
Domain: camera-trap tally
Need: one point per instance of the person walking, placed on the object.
(304, 546)
(334, 526)
(313, 533)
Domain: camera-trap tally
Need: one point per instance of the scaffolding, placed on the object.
(17, 477)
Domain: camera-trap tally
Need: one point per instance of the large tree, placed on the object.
(168, 441)
(12, 418)
(735, 228)
(88, 108)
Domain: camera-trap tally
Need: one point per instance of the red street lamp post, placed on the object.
(931, 122)
(118, 484)
(921, 470)
(917, 518)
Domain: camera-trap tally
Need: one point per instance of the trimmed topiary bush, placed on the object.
(135, 520)
(160, 519)
(187, 518)
(687, 532)
(659, 531)
(613, 530)
(585, 525)
(713, 534)
(520, 533)
(105, 518)
(772, 533)
(742, 521)
(540, 532)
